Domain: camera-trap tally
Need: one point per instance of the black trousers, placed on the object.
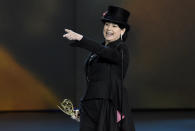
(89, 114)
(100, 115)
(97, 115)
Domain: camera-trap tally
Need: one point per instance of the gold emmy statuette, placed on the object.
(67, 107)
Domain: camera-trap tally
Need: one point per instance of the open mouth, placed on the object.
(109, 34)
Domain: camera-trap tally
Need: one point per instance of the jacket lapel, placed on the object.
(87, 62)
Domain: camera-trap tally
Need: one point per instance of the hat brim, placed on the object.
(115, 21)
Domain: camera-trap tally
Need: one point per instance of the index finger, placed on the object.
(67, 30)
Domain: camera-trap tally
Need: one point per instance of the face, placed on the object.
(112, 32)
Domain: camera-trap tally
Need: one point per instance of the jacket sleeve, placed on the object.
(112, 54)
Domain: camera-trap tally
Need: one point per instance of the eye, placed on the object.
(106, 24)
(115, 26)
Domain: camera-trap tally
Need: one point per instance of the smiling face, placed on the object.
(112, 32)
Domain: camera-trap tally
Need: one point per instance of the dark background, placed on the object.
(38, 68)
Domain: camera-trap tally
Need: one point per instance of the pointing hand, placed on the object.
(71, 35)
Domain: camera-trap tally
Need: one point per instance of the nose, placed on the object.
(109, 27)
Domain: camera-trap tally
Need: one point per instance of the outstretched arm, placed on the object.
(112, 54)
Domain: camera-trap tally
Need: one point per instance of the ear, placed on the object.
(123, 31)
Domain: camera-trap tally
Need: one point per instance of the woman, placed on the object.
(105, 98)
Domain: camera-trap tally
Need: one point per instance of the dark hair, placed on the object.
(127, 27)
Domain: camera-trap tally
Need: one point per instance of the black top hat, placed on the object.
(116, 15)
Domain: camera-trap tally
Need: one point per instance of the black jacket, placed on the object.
(103, 68)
